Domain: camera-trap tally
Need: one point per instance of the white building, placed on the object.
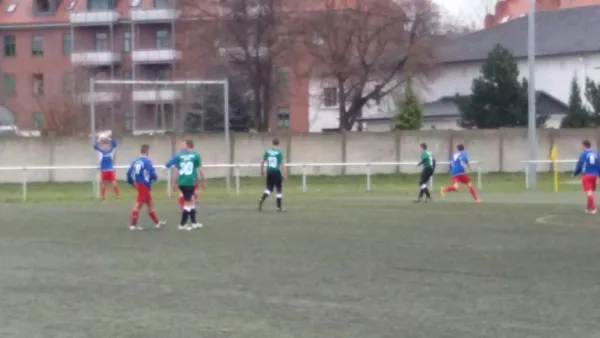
(566, 46)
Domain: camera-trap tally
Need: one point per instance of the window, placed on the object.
(38, 120)
(283, 75)
(68, 83)
(101, 42)
(161, 4)
(10, 46)
(330, 97)
(162, 74)
(38, 84)
(283, 117)
(100, 4)
(9, 84)
(162, 39)
(127, 42)
(67, 44)
(71, 5)
(11, 8)
(42, 6)
(37, 45)
(135, 3)
(127, 75)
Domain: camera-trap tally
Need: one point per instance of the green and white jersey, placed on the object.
(427, 159)
(187, 163)
(273, 157)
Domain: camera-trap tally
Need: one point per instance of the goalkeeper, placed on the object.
(428, 163)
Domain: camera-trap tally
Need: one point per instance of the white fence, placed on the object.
(530, 162)
(236, 172)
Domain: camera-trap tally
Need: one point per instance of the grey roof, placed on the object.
(446, 107)
(561, 31)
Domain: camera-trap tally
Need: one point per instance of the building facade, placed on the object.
(506, 10)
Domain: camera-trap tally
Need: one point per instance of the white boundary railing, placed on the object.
(236, 172)
(528, 162)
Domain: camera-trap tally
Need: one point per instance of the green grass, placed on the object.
(351, 266)
(317, 186)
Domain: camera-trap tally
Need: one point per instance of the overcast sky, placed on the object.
(469, 10)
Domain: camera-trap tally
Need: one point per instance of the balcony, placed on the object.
(155, 56)
(239, 53)
(95, 59)
(94, 18)
(154, 15)
(156, 96)
(99, 97)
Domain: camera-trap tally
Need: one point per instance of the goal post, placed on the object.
(96, 96)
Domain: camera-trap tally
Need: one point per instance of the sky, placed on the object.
(467, 10)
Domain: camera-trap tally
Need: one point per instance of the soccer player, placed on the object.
(189, 164)
(140, 175)
(458, 162)
(428, 163)
(588, 166)
(106, 150)
(276, 172)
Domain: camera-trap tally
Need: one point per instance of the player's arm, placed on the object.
(130, 178)
(97, 145)
(465, 161)
(152, 172)
(201, 171)
(113, 144)
(172, 161)
(282, 167)
(262, 164)
(423, 158)
(579, 166)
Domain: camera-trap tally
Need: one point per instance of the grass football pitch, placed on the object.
(339, 262)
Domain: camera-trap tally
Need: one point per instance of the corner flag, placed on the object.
(553, 157)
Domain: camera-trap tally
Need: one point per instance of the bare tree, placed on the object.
(368, 47)
(250, 36)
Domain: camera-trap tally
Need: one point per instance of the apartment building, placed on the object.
(51, 48)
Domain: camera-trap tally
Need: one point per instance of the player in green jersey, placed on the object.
(276, 173)
(428, 163)
(188, 164)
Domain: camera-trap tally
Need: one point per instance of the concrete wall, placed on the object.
(498, 150)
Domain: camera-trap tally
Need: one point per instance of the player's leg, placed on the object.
(269, 188)
(424, 185)
(103, 178)
(181, 201)
(113, 181)
(423, 190)
(279, 188)
(588, 183)
(195, 224)
(152, 214)
(135, 214)
(473, 192)
(187, 207)
(450, 188)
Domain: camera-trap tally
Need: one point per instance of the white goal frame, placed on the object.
(221, 82)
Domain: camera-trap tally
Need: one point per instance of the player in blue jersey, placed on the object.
(458, 162)
(140, 175)
(588, 167)
(106, 150)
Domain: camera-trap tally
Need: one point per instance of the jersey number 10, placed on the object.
(272, 161)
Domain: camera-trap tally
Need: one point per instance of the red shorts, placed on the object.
(143, 194)
(588, 182)
(108, 176)
(461, 178)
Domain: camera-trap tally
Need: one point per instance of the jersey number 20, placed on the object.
(186, 168)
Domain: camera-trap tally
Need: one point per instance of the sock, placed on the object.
(153, 216)
(279, 198)
(181, 202)
(264, 196)
(134, 217)
(184, 216)
(193, 215)
(102, 191)
(421, 193)
(450, 188)
(473, 192)
(591, 203)
(427, 192)
(116, 190)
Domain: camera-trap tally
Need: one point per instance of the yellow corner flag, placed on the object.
(553, 157)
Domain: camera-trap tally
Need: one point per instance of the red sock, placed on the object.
(134, 217)
(450, 188)
(116, 190)
(591, 204)
(152, 215)
(473, 192)
(181, 202)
